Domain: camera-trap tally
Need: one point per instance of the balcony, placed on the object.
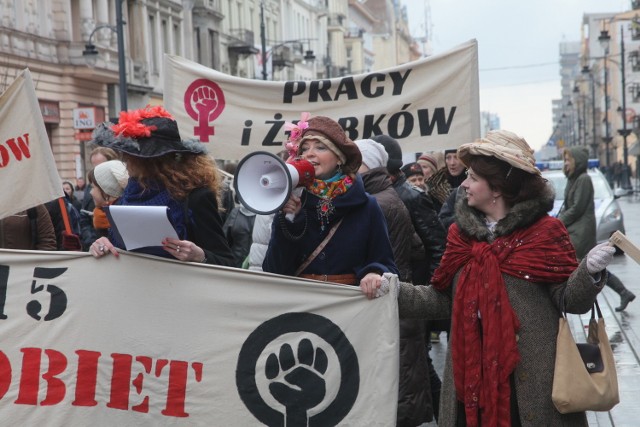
(282, 57)
(634, 90)
(242, 42)
(336, 20)
(354, 33)
(634, 60)
(634, 27)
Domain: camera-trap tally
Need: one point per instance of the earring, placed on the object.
(339, 169)
(494, 201)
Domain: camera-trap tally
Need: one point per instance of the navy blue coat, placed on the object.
(360, 246)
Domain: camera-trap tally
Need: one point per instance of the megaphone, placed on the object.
(264, 182)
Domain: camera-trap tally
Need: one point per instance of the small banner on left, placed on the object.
(140, 340)
(28, 173)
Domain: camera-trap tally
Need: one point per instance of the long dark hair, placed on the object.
(513, 183)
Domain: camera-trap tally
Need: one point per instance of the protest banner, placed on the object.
(141, 340)
(427, 105)
(28, 173)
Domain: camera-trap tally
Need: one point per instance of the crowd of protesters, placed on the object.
(458, 227)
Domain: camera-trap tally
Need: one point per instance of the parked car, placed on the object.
(609, 217)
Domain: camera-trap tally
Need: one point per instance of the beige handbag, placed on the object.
(585, 376)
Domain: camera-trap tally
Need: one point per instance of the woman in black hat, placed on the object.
(338, 234)
(414, 174)
(164, 170)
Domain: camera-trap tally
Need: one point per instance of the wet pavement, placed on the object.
(623, 330)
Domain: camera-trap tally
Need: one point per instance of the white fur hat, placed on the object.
(373, 153)
(112, 177)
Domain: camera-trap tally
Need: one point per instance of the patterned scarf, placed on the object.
(327, 190)
(484, 359)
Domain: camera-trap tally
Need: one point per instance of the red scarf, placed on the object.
(483, 360)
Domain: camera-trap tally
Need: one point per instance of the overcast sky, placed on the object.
(518, 44)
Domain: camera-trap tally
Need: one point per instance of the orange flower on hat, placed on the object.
(130, 122)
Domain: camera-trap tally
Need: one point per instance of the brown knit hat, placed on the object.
(334, 137)
(430, 161)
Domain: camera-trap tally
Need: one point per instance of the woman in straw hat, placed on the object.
(502, 277)
(164, 170)
(334, 214)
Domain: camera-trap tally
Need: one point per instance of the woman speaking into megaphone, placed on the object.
(338, 233)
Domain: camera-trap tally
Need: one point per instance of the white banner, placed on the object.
(141, 340)
(427, 105)
(28, 174)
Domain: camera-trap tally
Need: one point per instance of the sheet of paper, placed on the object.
(141, 226)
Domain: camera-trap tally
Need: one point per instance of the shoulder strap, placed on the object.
(65, 215)
(319, 249)
(32, 213)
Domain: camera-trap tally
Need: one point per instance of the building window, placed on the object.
(154, 44)
(196, 38)
(166, 47)
(177, 40)
(212, 46)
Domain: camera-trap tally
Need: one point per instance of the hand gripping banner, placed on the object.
(147, 341)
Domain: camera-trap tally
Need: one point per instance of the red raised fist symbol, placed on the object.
(204, 101)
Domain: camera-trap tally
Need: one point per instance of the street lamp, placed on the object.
(594, 142)
(582, 115)
(91, 53)
(571, 137)
(605, 39)
(308, 54)
(604, 42)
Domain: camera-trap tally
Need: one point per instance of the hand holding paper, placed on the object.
(141, 226)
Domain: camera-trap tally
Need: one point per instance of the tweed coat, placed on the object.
(414, 394)
(537, 307)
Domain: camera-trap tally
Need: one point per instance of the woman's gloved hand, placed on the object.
(599, 257)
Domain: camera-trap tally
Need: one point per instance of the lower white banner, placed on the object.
(140, 340)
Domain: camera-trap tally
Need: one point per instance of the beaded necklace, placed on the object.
(327, 190)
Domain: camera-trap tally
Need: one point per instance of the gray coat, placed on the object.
(537, 308)
(578, 212)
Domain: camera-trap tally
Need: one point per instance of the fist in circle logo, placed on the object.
(298, 369)
(204, 101)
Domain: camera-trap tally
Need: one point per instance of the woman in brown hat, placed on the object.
(338, 233)
(164, 170)
(502, 278)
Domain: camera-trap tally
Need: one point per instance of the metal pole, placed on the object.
(263, 40)
(584, 120)
(593, 116)
(121, 60)
(607, 139)
(625, 133)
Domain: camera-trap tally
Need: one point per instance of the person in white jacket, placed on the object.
(261, 236)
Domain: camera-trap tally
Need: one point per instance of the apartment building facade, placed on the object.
(256, 39)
